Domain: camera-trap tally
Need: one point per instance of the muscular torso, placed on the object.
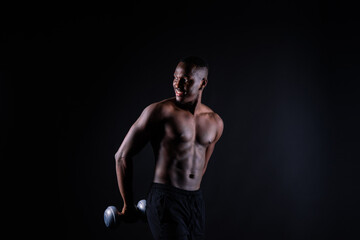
(180, 141)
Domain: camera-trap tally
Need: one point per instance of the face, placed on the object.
(189, 81)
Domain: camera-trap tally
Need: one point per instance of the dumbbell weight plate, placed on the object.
(110, 216)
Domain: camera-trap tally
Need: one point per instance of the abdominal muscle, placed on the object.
(184, 172)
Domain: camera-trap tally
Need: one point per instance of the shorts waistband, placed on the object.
(172, 189)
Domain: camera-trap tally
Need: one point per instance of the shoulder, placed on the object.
(219, 123)
(212, 115)
(158, 109)
(214, 118)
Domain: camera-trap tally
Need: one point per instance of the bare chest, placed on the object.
(188, 128)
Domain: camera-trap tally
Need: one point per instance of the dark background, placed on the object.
(283, 76)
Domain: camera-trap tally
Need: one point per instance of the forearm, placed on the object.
(124, 173)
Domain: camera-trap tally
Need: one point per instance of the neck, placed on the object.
(192, 106)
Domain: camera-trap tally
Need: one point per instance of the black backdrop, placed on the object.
(283, 76)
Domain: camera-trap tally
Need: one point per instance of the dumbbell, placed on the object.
(112, 217)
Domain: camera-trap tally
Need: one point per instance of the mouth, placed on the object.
(179, 93)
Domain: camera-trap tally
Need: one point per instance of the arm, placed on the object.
(134, 141)
(210, 148)
(209, 151)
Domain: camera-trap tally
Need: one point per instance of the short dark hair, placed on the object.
(195, 60)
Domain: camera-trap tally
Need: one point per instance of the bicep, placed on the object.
(210, 148)
(209, 151)
(134, 141)
(137, 136)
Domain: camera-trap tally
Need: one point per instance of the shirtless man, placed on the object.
(183, 133)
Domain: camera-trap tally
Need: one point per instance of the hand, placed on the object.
(129, 214)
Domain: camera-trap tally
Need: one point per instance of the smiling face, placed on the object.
(189, 81)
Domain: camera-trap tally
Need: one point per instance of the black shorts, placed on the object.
(174, 213)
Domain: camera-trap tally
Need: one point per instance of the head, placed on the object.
(190, 79)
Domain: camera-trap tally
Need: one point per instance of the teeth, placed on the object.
(179, 93)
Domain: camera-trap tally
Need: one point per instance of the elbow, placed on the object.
(121, 157)
(118, 156)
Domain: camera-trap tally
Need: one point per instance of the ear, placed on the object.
(203, 83)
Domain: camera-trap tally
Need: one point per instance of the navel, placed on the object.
(191, 175)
